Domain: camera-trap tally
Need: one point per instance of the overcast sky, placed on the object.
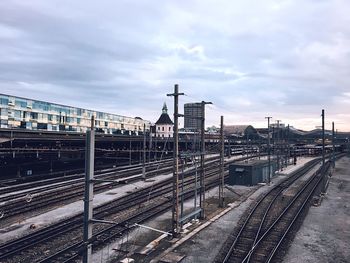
(285, 59)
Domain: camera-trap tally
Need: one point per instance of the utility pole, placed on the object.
(150, 145)
(323, 153)
(202, 179)
(288, 146)
(222, 156)
(229, 146)
(323, 139)
(130, 156)
(175, 210)
(333, 144)
(144, 153)
(247, 146)
(278, 148)
(268, 147)
(89, 192)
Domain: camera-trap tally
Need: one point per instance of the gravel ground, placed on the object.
(325, 233)
(206, 244)
(203, 246)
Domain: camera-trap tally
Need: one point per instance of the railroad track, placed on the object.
(110, 233)
(258, 237)
(72, 178)
(74, 190)
(164, 188)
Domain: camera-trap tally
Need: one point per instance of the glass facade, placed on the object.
(30, 114)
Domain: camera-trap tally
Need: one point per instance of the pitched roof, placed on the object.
(164, 119)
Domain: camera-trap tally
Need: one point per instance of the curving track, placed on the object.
(258, 237)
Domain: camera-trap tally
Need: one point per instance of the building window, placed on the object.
(34, 115)
(4, 101)
(4, 122)
(162, 128)
(42, 126)
(18, 114)
(169, 128)
(3, 112)
(21, 103)
(158, 128)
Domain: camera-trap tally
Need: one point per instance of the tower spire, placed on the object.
(165, 109)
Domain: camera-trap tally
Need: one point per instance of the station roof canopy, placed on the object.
(239, 130)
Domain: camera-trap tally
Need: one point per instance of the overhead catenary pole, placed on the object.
(130, 156)
(268, 147)
(89, 192)
(222, 156)
(150, 145)
(247, 147)
(288, 145)
(323, 153)
(144, 153)
(175, 209)
(333, 145)
(229, 146)
(202, 177)
(323, 139)
(277, 142)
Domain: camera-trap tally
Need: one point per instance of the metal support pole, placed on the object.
(333, 145)
(89, 192)
(268, 147)
(323, 140)
(229, 146)
(323, 152)
(11, 140)
(247, 146)
(202, 178)
(182, 195)
(144, 153)
(288, 145)
(175, 209)
(130, 156)
(277, 143)
(222, 155)
(150, 146)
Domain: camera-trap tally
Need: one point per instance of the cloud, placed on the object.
(250, 58)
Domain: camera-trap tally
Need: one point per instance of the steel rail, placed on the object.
(103, 210)
(65, 226)
(294, 176)
(295, 217)
(316, 177)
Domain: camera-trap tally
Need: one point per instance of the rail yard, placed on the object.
(239, 196)
(126, 203)
(174, 131)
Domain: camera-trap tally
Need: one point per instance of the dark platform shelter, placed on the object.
(250, 173)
